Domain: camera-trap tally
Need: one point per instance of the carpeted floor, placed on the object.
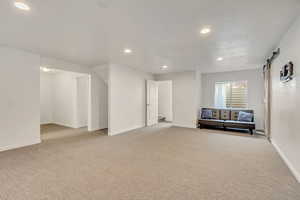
(160, 163)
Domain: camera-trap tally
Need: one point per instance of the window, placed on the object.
(231, 94)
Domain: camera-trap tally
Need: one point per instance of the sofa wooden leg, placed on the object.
(251, 131)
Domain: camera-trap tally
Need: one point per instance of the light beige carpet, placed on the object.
(161, 163)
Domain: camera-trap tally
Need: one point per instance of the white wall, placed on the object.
(64, 98)
(285, 97)
(255, 90)
(82, 100)
(184, 97)
(99, 89)
(19, 102)
(165, 107)
(199, 89)
(46, 97)
(127, 99)
(94, 115)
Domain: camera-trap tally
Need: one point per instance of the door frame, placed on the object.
(149, 84)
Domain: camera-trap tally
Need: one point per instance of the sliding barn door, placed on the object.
(267, 100)
(152, 102)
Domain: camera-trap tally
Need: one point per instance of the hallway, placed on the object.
(53, 131)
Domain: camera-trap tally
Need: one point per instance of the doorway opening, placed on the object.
(165, 103)
(64, 103)
(159, 102)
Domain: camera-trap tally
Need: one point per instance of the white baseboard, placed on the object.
(96, 129)
(287, 162)
(65, 125)
(125, 130)
(46, 123)
(17, 146)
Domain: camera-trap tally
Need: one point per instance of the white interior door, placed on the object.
(152, 102)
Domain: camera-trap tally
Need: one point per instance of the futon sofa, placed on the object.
(227, 118)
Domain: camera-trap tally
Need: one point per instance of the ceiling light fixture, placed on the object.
(164, 67)
(205, 31)
(21, 5)
(127, 51)
(45, 69)
(220, 59)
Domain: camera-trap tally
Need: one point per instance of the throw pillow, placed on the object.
(206, 114)
(245, 117)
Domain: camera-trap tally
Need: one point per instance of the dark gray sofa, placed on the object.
(226, 118)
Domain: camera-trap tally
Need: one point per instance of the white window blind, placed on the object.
(231, 94)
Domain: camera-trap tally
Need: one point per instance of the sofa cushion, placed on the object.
(206, 114)
(211, 122)
(225, 114)
(235, 115)
(215, 113)
(239, 124)
(245, 116)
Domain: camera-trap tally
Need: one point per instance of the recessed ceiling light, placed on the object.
(164, 67)
(21, 5)
(45, 69)
(205, 31)
(127, 51)
(220, 59)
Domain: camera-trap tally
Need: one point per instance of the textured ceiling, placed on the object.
(160, 32)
